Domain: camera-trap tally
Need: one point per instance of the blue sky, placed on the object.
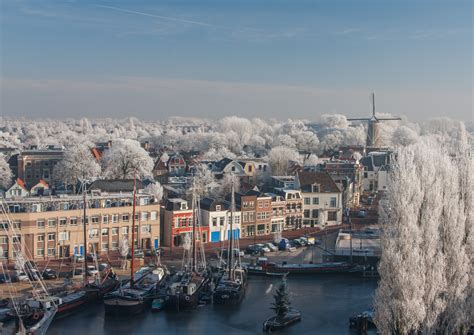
(154, 59)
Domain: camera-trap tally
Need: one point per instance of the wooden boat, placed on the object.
(135, 297)
(231, 287)
(279, 322)
(188, 286)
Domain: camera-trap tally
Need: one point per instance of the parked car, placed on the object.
(237, 253)
(262, 247)
(49, 274)
(33, 274)
(77, 258)
(370, 200)
(21, 276)
(296, 243)
(92, 271)
(76, 273)
(138, 254)
(362, 214)
(5, 279)
(271, 246)
(251, 249)
(284, 244)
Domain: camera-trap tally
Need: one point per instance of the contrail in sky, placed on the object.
(157, 16)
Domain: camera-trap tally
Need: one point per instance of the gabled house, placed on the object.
(322, 199)
(376, 170)
(176, 165)
(17, 190)
(216, 215)
(42, 188)
(160, 171)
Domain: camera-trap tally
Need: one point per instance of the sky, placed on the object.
(256, 58)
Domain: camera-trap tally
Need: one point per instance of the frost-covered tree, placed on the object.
(127, 159)
(5, 173)
(311, 160)
(78, 164)
(225, 185)
(203, 182)
(404, 136)
(425, 265)
(279, 158)
(155, 189)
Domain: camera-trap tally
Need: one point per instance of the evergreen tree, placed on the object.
(282, 303)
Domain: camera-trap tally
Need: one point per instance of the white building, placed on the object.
(376, 171)
(17, 190)
(322, 199)
(216, 215)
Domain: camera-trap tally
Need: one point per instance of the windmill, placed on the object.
(373, 135)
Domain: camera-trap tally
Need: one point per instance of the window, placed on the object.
(115, 245)
(105, 232)
(73, 221)
(51, 251)
(153, 215)
(315, 201)
(52, 223)
(125, 217)
(332, 216)
(87, 220)
(94, 233)
(115, 218)
(365, 174)
(221, 221)
(3, 239)
(146, 228)
(17, 224)
(40, 224)
(16, 239)
(64, 236)
(51, 236)
(105, 219)
(176, 223)
(307, 201)
(124, 230)
(40, 252)
(333, 202)
(144, 216)
(218, 207)
(315, 213)
(62, 222)
(315, 188)
(306, 213)
(95, 219)
(214, 222)
(115, 231)
(105, 246)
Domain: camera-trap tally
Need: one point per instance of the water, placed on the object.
(326, 303)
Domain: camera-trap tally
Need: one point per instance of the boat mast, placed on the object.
(193, 260)
(231, 238)
(84, 191)
(133, 229)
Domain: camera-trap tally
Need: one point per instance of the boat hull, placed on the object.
(120, 307)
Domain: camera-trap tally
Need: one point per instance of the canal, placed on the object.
(325, 301)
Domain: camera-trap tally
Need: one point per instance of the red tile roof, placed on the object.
(21, 183)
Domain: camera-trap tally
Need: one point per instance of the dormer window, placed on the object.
(184, 206)
(315, 188)
(218, 207)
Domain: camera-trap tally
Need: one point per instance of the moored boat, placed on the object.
(137, 296)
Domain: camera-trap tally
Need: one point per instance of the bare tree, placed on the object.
(279, 158)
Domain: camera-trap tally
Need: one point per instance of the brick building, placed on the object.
(51, 227)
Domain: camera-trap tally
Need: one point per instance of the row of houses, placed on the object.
(313, 200)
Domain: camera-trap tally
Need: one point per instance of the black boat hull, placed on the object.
(121, 307)
(225, 297)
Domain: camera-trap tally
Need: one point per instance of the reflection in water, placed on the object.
(326, 303)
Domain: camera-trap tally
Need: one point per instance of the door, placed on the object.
(215, 236)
